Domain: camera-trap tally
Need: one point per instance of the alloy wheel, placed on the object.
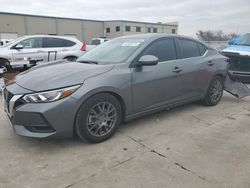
(101, 119)
(216, 91)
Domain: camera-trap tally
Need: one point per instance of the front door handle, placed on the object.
(177, 69)
(210, 63)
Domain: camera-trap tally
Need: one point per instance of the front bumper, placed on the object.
(55, 119)
(240, 76)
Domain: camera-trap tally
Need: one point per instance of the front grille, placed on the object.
(7, 96)
(19, 103)
(12, 102)
(40, 129)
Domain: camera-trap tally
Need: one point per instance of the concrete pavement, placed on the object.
(189, 146)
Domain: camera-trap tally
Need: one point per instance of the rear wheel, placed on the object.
(71, 58)
(215, 92)
(98, 118)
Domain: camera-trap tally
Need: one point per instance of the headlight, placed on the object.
(50, 96)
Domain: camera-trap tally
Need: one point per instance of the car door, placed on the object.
(192, 63)
(157, 85)
(32, 48)
(55, 48)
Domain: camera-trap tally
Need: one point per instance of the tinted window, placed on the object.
(117, 28)
(68, 43)
(127, 28)
(108, 30)
(188, 48)
(32, 43)
(57, 43)
(164, 49)
(202, 48)
(138, 29)
(54, 43)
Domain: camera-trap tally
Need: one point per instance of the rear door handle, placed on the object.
(210, 63)
(177, 69)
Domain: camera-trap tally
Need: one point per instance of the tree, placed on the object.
(214, 35)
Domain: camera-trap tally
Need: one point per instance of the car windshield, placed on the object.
(112, 52)
(12, 42)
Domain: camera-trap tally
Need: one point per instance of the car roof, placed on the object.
(156, 36)
(52, 36)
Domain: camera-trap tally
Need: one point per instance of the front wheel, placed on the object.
(98, 118)
(5, 63)
(214, 92)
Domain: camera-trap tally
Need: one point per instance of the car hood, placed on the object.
(58, 75)
(239, 49)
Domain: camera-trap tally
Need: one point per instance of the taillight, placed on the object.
(84, 46)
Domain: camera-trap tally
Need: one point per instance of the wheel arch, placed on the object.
(113, 93)
(70, 56)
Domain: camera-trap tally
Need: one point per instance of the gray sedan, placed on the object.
(117, 81)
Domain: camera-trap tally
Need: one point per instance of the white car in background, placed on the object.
(19, 52)
(4, 41)
(95, 42)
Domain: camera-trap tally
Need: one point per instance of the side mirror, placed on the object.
(148, 60)
(18, 47)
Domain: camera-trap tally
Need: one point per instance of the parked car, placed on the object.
(4, 41)
(239, 54)
(120, 80)
(95, 42)
(45, 48)
(98, 41)
(2, 70)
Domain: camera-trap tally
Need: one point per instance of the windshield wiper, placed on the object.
(89, 62)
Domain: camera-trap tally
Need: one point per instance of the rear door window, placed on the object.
(58, 43)
(163, 49)
(188, 48)
(202, 48)
(68, 43)
(54, 43)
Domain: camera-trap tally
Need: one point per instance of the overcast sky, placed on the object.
(192, 15)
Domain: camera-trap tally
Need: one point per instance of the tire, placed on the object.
(71, 58)
(5, 63)
(214, 92)
(92, 124)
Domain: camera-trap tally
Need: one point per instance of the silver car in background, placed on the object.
(17, 53)
(117, 81)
